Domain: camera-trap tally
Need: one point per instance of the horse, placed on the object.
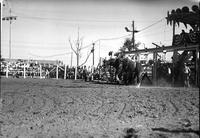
(116, 63)
(132, 70)
(126, 70)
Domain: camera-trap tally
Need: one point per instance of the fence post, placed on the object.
(24, 71)
(65, 73)
(76, 68)
(155, 68)
(57, 72)
(7, 70)
(92, 72)
(197, 67)
(40, 71)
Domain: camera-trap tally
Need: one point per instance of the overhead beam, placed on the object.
(166, 48)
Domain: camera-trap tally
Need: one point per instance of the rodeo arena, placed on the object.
(132, 93)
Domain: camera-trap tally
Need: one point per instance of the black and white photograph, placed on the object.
(99, 68)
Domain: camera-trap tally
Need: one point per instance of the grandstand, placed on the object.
(44, 62)
(17, 65)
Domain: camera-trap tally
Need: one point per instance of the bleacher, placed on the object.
(17, 66)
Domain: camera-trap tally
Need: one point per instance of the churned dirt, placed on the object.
(40, 108)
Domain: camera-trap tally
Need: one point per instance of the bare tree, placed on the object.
(76, 48)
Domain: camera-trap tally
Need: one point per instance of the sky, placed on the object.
(43, 27)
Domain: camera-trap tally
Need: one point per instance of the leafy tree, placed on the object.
(128, 45)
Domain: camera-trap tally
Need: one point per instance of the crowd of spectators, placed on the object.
(33, 69)
(16, 67)
(13, 66)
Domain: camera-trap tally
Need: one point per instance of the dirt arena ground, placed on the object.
(40, 108)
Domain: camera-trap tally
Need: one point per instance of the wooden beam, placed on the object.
(197, 67)
(167, 48)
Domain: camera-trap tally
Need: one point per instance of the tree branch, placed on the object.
(72, 47)
(81, 43)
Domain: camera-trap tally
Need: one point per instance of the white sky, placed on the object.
(43, 27)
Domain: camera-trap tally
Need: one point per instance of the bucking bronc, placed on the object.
(126, 70)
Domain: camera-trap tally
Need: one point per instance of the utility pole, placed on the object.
(93, 53)
(175, 53)
(93, 61)
(9, 18)
(133, 38)
(99, 53)
(1, 18)
(1, 99)
(133, 33)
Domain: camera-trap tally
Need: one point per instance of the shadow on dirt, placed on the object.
(177, 130)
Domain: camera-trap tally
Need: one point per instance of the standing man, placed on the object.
(47, 73)
(186, 75)
(85, 73)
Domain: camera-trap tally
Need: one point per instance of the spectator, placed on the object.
(85, 73)
(47, 73)
(32, 74)
(186, 75)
